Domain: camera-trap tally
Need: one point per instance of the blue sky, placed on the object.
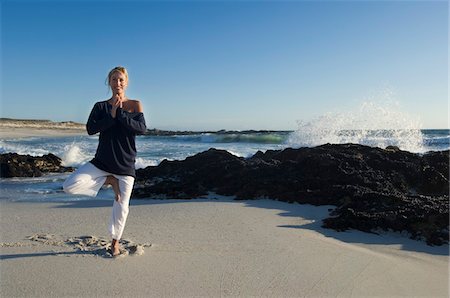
(232, 65)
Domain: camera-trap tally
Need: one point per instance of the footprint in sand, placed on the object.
(84, 245)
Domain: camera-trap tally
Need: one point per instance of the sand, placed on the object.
(210, 248)
(23, 132)
(20, 128)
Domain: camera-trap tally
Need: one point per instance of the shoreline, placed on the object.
(211, 247)
(18, 128)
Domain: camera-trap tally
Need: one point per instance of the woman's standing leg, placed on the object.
(120, 208)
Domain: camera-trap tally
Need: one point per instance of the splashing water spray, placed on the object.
(73, 155)
(373, 123)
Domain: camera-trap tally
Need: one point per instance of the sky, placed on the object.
(236, 65)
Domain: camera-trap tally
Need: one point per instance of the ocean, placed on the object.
(76, 150)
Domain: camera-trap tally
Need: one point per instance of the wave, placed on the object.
(74, 155)
(437, 143)
(6, 147)
(257, 138)
(72, 151)
(436, 132)
(142, 163)
(372, 123)
(410, 140)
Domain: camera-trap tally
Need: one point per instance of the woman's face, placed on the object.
(118, 82)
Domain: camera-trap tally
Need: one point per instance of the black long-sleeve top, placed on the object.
(116, 151)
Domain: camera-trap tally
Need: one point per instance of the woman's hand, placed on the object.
(117, 101)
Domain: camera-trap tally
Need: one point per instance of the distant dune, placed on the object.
(18, 128)
(40, 124)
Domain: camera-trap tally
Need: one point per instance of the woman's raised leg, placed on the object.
(86, 180)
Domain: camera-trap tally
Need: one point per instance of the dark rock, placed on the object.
(372, 188)
(16, 165)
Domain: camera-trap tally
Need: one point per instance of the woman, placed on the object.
(118, 120)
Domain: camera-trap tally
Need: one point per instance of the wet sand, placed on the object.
(209, 248)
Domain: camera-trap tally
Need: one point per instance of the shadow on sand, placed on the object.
(100, 253)
(313, 214)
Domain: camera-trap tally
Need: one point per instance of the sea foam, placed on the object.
(21, 148)
(73, 155)
(143, 163)
(372, 123)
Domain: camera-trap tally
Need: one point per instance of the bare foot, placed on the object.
(115, 248)
(114, 182)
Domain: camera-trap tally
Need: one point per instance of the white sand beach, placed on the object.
(8, 133)
(15, 128)
(210, 248)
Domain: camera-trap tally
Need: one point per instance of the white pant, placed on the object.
(88, 179)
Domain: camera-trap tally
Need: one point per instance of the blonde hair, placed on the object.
(120, 69)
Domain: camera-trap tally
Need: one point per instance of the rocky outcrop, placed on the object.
(372, 188)
(16, 165)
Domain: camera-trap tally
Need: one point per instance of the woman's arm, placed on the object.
(96, 124)
(135, 124)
